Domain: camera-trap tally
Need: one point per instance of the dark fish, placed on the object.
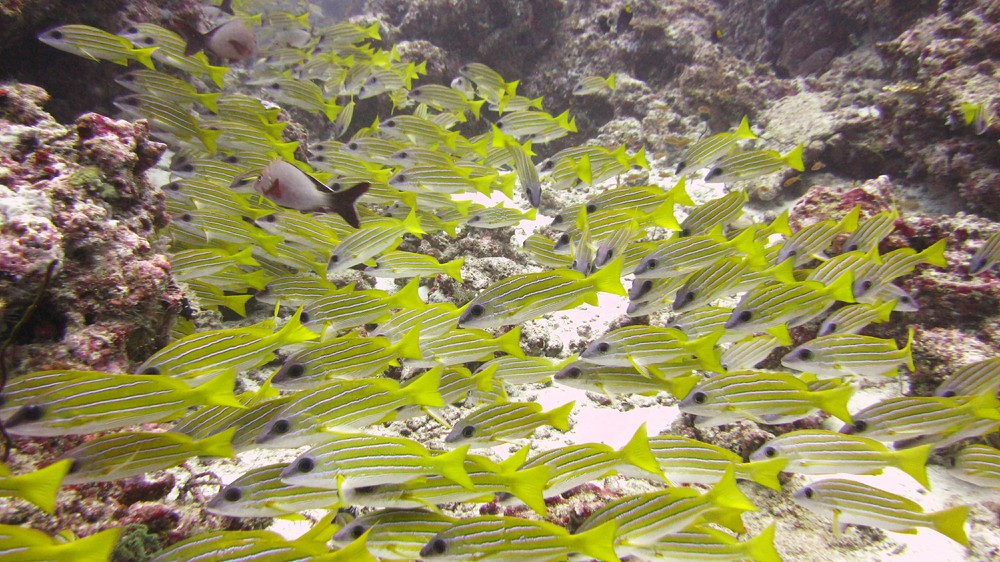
(232, 40)
(623, 23)
(290, 187)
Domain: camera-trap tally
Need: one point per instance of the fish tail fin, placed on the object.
(355, 551)
(834, 401)
(412, 223)
(237, 304)
(483, 378)
(145, 57)
(913, 461)
(780, 224)
(217, 74)
(884, 310)
(483, 184)
(218, 391)
(373, 32)
(423, 391)
(784, 271)
(851, 220)
(761, 548)
(637, 453)
(344, 203)
(663, 215)
(563, 120)
(95, 548)
(766, 472)
(727, 495)
(286, 150)
(704, 349)
(934, 255)
(743, 131)
(244, 257)
(510, 343)
(196, 40)
(331, 110)
(559, 417)
(584, 170)
(746, 242)
(598, 543)
(908, 352)
(794, 159)
(408, 296)
(679, 192)
(476, 107)
(408, 347)
(507, 182)
(951, 523)
(842, 288)
(453, 269)
(40, 487)
(529, 487)
(680, 387)
(294, 332)
(609, 279)
(451, 465)
(217, 445)
(209, 100)
(210, 139)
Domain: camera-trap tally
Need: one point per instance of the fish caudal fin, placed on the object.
(344, 203)
(451, 465)
(834, 402)
(637, 453)
(529, 485)
(951, 523)
(219, 391)
(559, 417)
(913, 461)
(40, 487)
(423, 391)
(598, 542)
(765, 472)
(761, 548)
(96, 547)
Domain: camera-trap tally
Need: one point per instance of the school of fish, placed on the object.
(255, 216)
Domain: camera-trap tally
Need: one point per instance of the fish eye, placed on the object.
(319, 158)
(352, 146)
(296, 370)
(860, 425)
(792, 253)
(281, 426)
(186, 217)
(500, 125)
(439, 546)
(745, 316)
(358, 530)
(232, 494)
(547, 165)
(807, 492)
(335, 186)
(305, 464)
(275, 86)
(574, 373)
(603, 347)
(948, 393)
(688, 297)
(148, 40)
(232, 159)
(173, 186)
(700, 397)
(74, 466)
(805, 354)
(851, 248)
(611, 253)
(475, 218)
(270, 219)
(906, 300)
(401, 177)
(866, 285)
(390, 124)
(334, 259)
(403, 154)
(564, 239)
(685, 232)
(32, 412)
(830, 328)
(651, 263)
(151, 371)
(770, 452)
(591, 208)
(468, 431)
(477, 310)
(304, 317)
(558, 219)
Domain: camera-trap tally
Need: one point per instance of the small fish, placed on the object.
(812, 241)
(194, 263)
(499, 216)
(688, 461)
(38, 487)
(395, 534)
(527, 296)
(572, 465)
(288, 186)
(345, 406)
(495, 423)
(122, 455)
(433, 321)
(871, 232)
(542, 250)
(977, 464)
(639, 346)
(356, 461)
(839, 354)
(520, 156)
(170, 119)
(972, 379)
(218, 350)
(26, 544)
(706, 543)
(979, 115)
(513, 538)
(737, 166)
(764, 397)
(705, 151)
(904, 417)
(622, 380)
(589, 85)
(747, 353)
(770, 306)
(817, 451)
(345, 357)
(232, 41)
(349, 308)
(397, 264)
(897, 264)
(446, 98)
(643, 518)
(464, 345)
(530, 370)
(524, 123)
(167, 87)
(854, 503)
(726, 276)
(81, 402)
(170, 51)
(986, 256)
(624, 20)
(853, 318)
(374, 238)
(489, 83)
(261, 493)
(678, 256)
(96, 44)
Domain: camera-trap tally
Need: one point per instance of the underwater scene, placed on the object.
(693, 280)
